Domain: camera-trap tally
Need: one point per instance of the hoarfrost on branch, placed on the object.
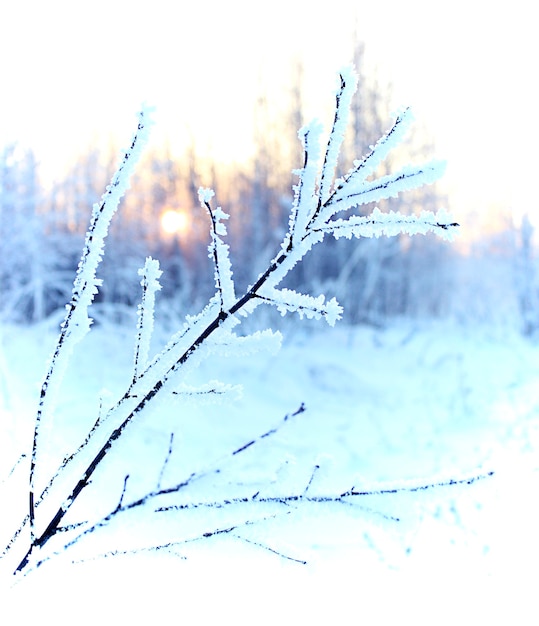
(318, 197)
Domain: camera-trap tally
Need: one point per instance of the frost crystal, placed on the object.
(287, 300)
(205, 195)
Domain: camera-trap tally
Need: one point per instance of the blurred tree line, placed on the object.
(42, 228)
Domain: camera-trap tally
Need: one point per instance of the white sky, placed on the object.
(72, 71)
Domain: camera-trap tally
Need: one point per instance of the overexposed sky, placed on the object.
(71, 72)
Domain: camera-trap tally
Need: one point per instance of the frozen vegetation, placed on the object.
(354, 475)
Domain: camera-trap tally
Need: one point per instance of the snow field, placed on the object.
(409, 403)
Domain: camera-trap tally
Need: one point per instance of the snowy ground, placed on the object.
(419, 403)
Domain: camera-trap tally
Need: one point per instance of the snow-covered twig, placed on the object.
(318, 198)
(218, 251)
(305, 201)
(343, 498)
(167, 459)
(289, 502)
(417, 486)
(366, 166)
(171, 546)
(77, 323)
(286, 301)
(348, 85)
(150, 275)
(389, 224)
(86, 528)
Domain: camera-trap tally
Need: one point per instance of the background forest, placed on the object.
(487, 276)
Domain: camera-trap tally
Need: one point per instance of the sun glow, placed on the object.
(174, 222)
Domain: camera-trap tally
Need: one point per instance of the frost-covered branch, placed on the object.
(150, 274)
(390, 224)
(411, 487)
(342, 109)
(305, 201)
(343, 498)
(77, 322)
(356, 193)
(366, 166)
(216, 468)
(287, 504)
(317, 199)
(172, 546)
(253, 509)
(218, 251)
(286, 300)
(167, 459)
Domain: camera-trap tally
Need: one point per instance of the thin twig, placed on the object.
(315, 470)
(421, 487)
(122, 495)
(167, 458)
(258, 544)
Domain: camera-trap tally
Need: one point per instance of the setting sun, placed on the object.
(174, 222)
